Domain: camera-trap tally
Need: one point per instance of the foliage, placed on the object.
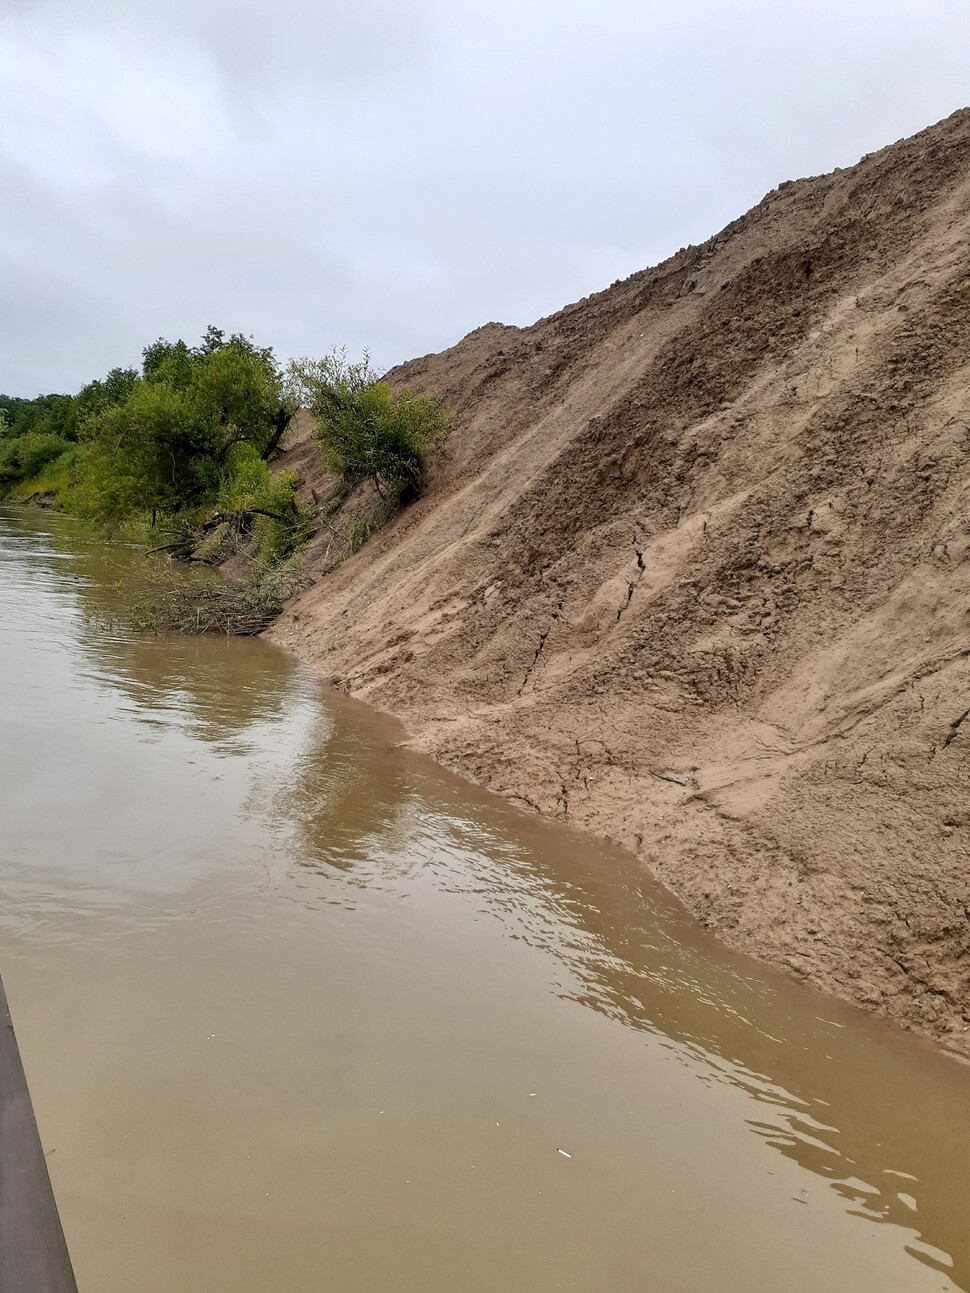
(358, 531)
(46, 415)
(364, 430)
(181, 448)
(26, 456)
(155, 442)
(62, 415)
(103, 394)
(265, 502)
(153, 453)
(38, 437)
(171, 444)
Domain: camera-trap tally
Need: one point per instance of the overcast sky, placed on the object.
(395, 174)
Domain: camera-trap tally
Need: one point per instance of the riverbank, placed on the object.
(693, 576)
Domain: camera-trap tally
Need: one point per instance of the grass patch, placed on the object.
(51, 484)
(358, 530)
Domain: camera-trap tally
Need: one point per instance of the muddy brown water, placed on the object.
(301, 1012)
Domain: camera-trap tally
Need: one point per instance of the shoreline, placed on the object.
(693, 573)
(681, 853)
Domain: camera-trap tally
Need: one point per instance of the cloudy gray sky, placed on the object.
(395, 174)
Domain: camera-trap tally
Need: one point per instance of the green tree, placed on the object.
(105, 393)
(246, 392)
(152, 453)
(166, 442)
(47, 415)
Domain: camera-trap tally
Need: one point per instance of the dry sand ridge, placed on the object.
(695, 575)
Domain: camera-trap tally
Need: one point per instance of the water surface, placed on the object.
(301, 1012)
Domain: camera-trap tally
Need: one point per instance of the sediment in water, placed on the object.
(694, 575)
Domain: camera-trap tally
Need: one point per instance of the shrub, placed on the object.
(365, 431)
(265, 504)
(27, 455)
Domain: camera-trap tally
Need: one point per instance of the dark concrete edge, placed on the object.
(33, 1252)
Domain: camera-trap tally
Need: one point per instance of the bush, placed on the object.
(266, 504)
(365, 431)
(29, 454)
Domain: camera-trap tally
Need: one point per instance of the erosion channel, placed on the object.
(301, 1011)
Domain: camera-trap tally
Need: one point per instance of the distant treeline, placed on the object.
(33, 434)
(47, 414)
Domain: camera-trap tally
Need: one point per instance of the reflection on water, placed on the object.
(349, 798)
(198, 844)
(837, 1099)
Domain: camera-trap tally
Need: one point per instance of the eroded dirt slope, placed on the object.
(695, 574)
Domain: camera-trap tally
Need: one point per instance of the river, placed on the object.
(299, 1011)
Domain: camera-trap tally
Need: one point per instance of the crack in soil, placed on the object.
(955, 727)
(542, 642)
(631, 584)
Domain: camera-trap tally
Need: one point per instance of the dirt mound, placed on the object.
(694, 575)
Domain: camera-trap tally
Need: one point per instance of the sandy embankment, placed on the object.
(694, 575)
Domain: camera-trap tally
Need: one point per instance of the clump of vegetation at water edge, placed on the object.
(170, 601)
(178, 452)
